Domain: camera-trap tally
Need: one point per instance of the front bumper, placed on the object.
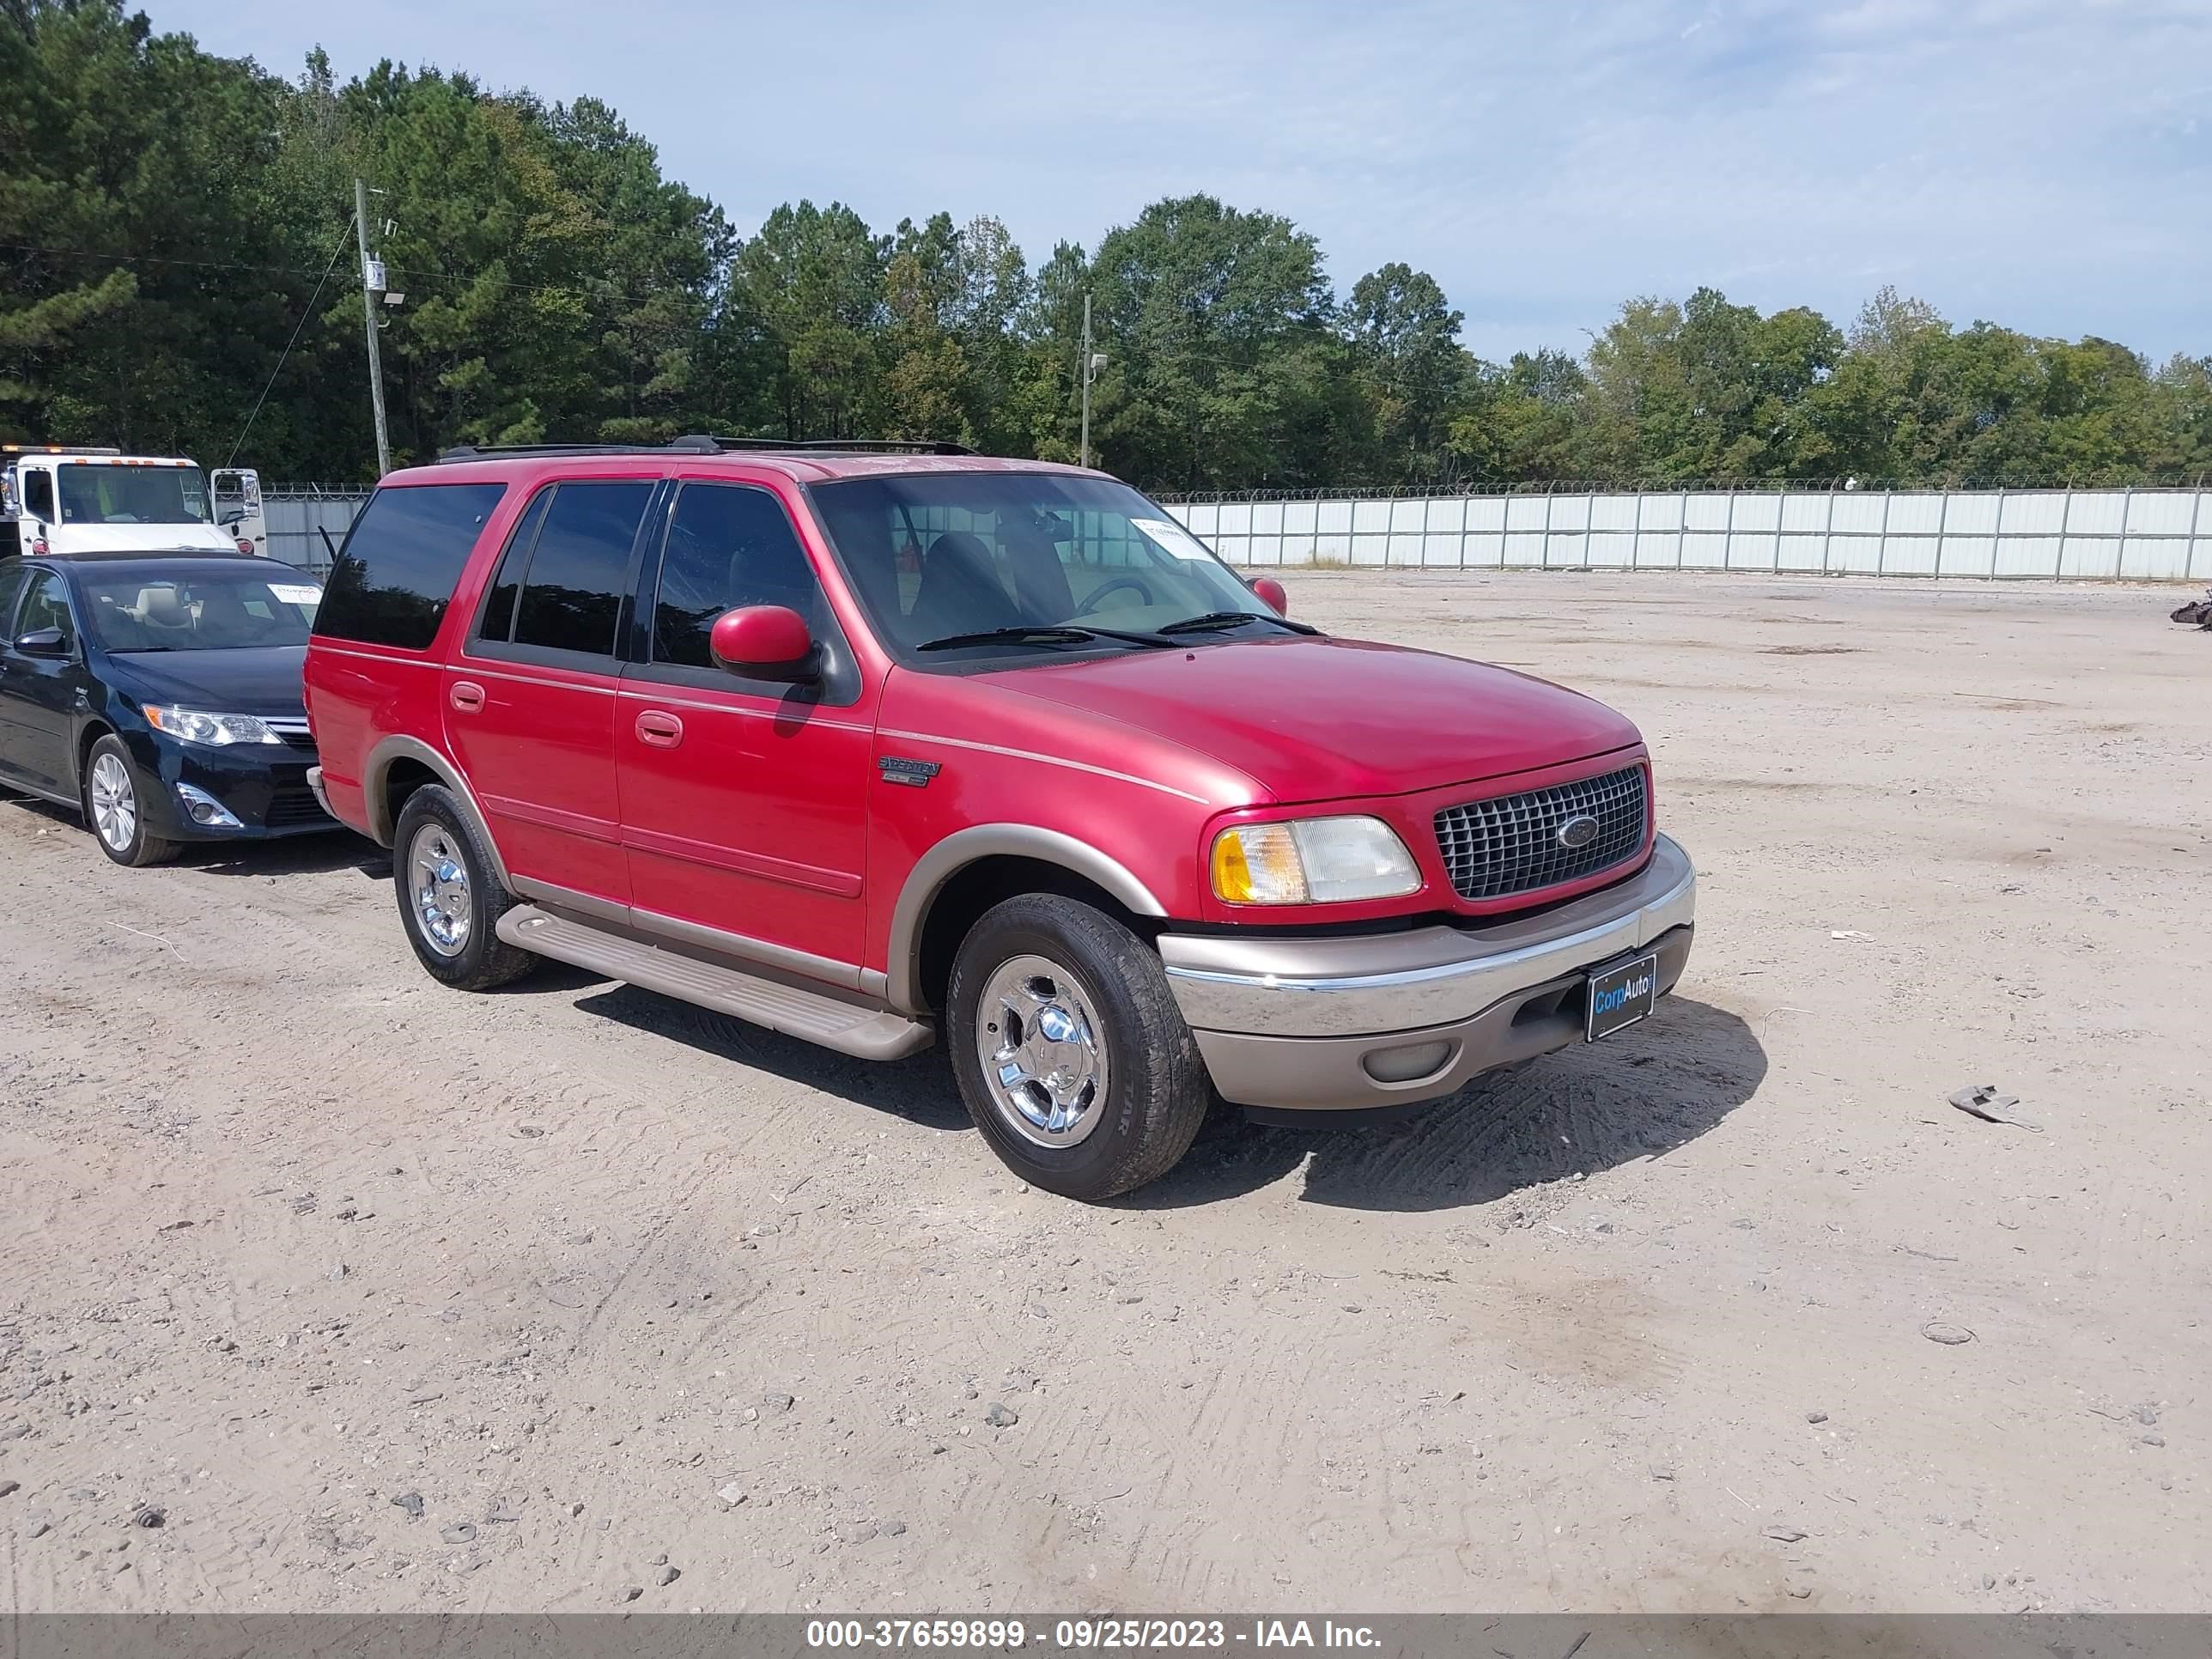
(264, 787)
(1380, 1020)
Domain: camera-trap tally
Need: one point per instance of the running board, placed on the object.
(849, 1028)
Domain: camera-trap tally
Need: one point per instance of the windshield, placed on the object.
(97, 494)
(235, 609)
(935, 556)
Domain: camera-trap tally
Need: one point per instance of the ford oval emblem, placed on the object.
(1577, 832)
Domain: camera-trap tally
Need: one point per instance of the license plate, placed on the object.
(1619, 996)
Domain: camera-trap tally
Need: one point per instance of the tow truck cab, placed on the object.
(58, 499)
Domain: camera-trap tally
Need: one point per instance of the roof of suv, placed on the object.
(799, 464)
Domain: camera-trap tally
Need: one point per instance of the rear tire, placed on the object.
(113, 794)
(450, 896)
(1070, 1052)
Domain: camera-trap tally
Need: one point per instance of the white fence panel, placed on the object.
(1525, 519)
(1659, 530)
(2158, 533)
(1442, 533)
(2085, 535)
(297, 522)
(1704, 539)
(2092, 535)
(2090, 546)
(1970, 533)
(1485, 540)
(1802, 540)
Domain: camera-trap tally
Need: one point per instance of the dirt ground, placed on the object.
(602, 1285)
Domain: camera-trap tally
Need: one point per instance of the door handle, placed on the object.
(661, 731)
(466, 695)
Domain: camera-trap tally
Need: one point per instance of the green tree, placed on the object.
(810, 285)
(1404, 340)
(1217, 322)
(1530, 422)
(133, 281)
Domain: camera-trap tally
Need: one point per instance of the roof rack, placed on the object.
(700, 443)
(851, 446)
(507, 451)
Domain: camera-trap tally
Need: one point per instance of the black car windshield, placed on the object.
(944, 557)
(94, 492)
(202, 611)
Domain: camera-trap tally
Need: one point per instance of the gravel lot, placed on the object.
(385, 1297)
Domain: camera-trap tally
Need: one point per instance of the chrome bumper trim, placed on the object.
(1380, 984)
(1277, 1078)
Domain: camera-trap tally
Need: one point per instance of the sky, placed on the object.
(2047, 164)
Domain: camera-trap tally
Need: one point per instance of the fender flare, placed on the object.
(381, 825)
(934, 869)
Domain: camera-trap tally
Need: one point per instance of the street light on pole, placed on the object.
(1092, 362)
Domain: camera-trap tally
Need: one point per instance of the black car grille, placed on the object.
(290, 808)
(1495, 848)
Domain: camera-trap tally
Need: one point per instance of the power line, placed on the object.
(289, 344)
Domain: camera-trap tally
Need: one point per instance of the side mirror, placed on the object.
(1270, 592)
(44, 643)
(769, 642)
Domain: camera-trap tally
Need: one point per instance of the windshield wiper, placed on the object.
(1040, 634)
(1220, 621)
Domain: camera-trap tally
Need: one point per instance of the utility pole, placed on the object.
(1084, 454)
(371, 281)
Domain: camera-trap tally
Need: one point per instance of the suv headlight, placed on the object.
(1312, 861)
(193, 727)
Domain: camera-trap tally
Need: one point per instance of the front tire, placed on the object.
(113, 794)
(1070, 1052)
(450, 896)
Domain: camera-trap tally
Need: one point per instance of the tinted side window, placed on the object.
(46, 605)
(499, 607)
(39, 494)
(727, 546)
(11, 585)
(395, 575)
(572, 597)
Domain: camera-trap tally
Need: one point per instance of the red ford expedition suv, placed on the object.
(877, 744)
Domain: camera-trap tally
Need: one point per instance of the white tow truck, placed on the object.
(63, 499)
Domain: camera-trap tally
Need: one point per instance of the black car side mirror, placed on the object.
(44, 643)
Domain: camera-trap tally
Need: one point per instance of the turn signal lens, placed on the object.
(1258, 864)
(1312, 861)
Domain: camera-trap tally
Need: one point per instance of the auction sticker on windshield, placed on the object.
(296, 593)
(1172, 538)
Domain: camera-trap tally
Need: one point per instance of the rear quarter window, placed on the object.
(396, 573)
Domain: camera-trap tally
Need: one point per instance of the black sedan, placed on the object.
(160, 697)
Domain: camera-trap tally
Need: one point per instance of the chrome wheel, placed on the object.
(438, 889)
(1044, 1056)
(114, 802)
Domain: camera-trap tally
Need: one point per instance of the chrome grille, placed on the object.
(293, 728)
(1495, 848)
